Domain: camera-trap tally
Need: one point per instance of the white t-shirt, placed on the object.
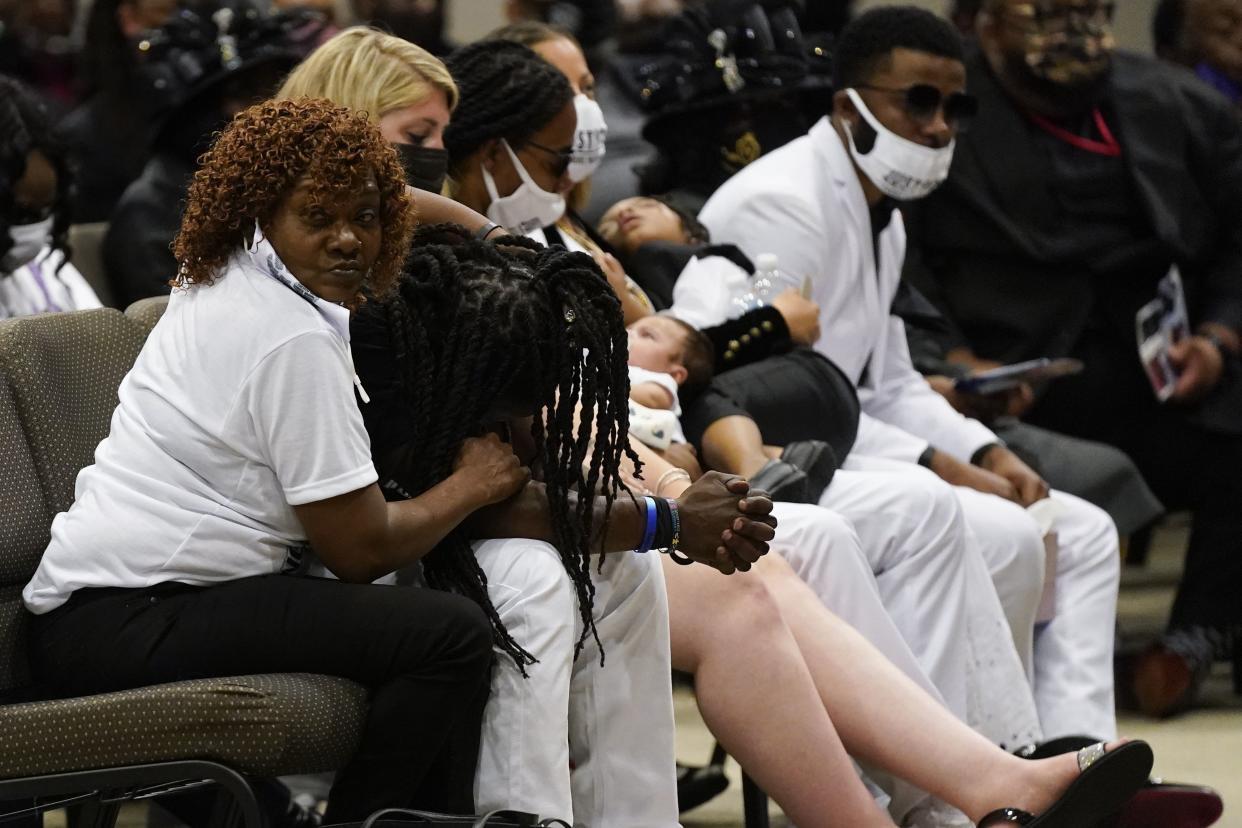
(38, 287)
(240, 406)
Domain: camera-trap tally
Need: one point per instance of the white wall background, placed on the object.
(471, 19)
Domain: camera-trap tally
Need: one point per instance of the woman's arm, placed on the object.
(436, 209)
(360, 537)
(721, 526)
(633, 305)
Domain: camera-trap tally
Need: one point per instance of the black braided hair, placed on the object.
(472, 323)
(25, 126)
(507, 91)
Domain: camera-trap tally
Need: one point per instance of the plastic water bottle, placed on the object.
(768, 282)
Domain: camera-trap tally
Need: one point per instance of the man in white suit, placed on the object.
(826, 204)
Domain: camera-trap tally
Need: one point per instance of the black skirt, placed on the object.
(799, 395)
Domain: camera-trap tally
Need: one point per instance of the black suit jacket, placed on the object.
(982, 247)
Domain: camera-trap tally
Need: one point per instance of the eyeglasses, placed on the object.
(922, 101)
(563, 157)
(1057, 18)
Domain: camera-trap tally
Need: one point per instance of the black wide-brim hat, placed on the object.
(729, 54)
(196, 52)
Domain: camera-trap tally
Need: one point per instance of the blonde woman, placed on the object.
(405, 91)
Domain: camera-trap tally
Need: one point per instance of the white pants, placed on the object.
(825, 552)
(1070, 657)
(936, 589)
(613, 723)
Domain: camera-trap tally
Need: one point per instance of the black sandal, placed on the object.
(1106, 781)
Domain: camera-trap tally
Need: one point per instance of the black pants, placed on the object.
(1187, 467)
(424, 655)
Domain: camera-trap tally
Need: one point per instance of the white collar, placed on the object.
(264, 257)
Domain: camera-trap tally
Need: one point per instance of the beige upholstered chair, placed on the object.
(86, 246)
(59, 375)
(146, 312)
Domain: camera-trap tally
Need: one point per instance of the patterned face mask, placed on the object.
(1065, 44)
(589, 139)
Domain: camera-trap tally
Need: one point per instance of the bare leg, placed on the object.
(728, 632)
(734, 445)
(735, 635)
(885, 719)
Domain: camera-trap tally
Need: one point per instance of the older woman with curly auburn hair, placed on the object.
(237, 445)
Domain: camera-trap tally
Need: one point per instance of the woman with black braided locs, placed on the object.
(512, 338)
(511, 137)
(461, 329)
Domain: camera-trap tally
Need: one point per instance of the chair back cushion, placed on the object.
(146, 312)
(86, 242)
(24, 516)
(64, 370)
(59, 375)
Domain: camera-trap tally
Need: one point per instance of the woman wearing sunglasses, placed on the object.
(514, 162)
(509, 158)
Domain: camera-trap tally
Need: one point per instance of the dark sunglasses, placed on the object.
(563, 157)
(922, 101)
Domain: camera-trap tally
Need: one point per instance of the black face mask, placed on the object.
(425, 167)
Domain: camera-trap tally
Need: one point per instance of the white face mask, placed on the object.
(28, 240)
(589, 139)
(900, 168)
(527, 208)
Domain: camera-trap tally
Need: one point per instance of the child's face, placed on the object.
(633, 222)
(657, 343)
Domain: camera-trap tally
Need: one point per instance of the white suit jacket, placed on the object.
(804, 203)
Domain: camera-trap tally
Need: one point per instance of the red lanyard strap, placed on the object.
(1109, 146)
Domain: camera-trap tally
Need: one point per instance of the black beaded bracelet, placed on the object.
(668, 530)
(664, 525)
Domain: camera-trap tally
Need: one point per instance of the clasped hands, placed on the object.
(723, 523)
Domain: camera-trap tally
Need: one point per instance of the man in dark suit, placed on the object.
(1085, 178)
